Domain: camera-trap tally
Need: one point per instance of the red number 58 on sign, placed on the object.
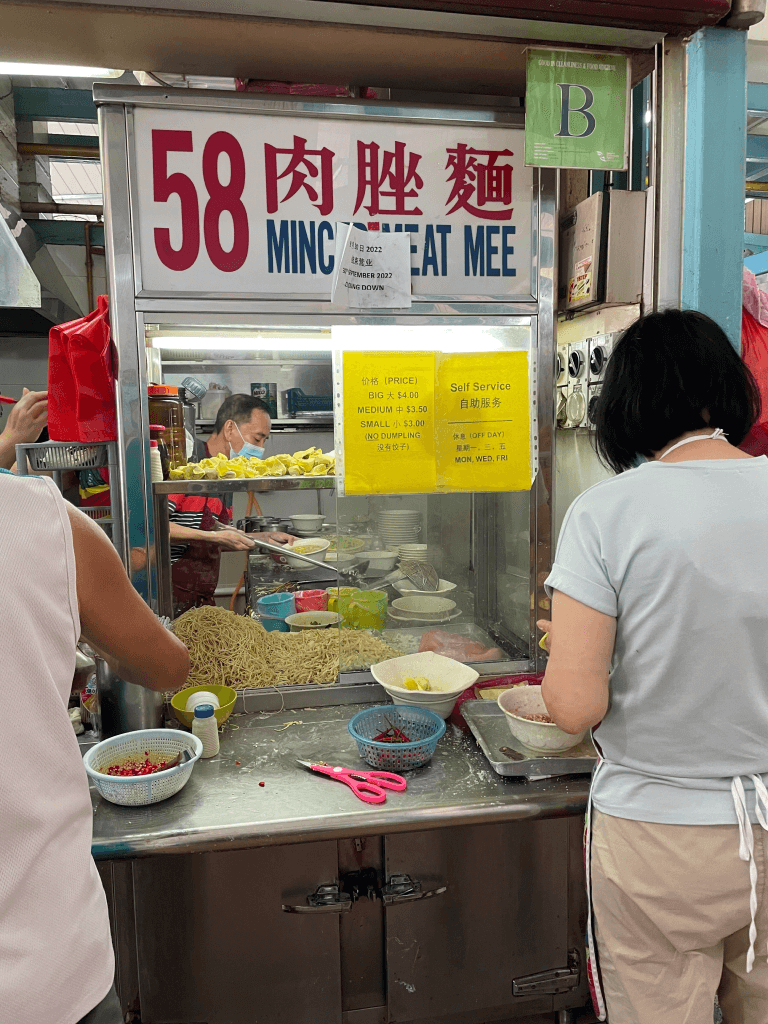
(222, 198)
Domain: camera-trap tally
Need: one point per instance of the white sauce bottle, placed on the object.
(206, 728)
(155, 463)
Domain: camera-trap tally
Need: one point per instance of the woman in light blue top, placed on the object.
(659, 642)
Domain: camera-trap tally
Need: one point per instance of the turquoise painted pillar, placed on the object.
(715, 153)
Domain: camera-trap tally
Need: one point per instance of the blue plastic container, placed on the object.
(298, 402)
(273, 624)
(422, 726)
(279, 606)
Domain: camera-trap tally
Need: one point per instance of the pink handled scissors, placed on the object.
(367, 786)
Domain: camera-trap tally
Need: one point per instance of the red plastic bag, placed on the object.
(473, 692)
(754, 352)
(81, 379)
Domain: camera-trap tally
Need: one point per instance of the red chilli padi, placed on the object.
(133, 767)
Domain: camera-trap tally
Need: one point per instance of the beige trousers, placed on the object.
(671, 906)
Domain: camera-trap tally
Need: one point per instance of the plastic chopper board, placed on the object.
(489, 727)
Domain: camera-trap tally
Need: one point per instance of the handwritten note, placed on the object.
(372, 269)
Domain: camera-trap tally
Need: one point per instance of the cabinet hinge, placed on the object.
(560, 979)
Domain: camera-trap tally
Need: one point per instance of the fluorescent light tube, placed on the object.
(219, 344)
(56, 71)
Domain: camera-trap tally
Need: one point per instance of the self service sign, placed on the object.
(576, 110)
(249, 205)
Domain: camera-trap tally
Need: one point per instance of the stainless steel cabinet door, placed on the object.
(215, 947)
(503, 916)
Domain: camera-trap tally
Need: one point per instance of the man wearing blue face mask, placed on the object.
(242, 427)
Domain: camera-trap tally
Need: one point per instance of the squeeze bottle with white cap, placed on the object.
(206, 728)
(155, 463)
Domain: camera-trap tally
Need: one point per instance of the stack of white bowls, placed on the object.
(447, 679)
(398, 526)
(413, 552)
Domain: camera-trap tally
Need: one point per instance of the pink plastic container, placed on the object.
(311, 601)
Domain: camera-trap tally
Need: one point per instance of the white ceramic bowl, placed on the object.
(442, 706)
(312, 620)
(542, 737)
(201, 697)
(347, 545)
(406, 588)
(307, 523)
(379, 559)
(448, 679)
(319, 548)
(424, 606)
(339, 559)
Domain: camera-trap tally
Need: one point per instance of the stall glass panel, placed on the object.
(479, 543)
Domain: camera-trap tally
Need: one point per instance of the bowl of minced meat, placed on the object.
(530, 724)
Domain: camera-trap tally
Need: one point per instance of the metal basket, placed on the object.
(423, 725)
(138, 791)
(60, 455)
(101, 513)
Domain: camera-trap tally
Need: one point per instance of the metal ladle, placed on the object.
(281, 549)
(422, 574)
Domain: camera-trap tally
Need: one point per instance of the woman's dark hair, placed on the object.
(669, 373)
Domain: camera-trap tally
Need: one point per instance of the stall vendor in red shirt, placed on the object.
(242, 427)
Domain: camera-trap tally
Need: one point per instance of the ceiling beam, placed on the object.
(54, 104)
(66, 232)
(321, 51)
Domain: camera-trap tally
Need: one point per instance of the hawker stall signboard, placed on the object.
(249, 205)
(577, 109)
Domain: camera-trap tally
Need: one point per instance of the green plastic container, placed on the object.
(363, 609)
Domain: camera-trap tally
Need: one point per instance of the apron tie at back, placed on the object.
(747, 846)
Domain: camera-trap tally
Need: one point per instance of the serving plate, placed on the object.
(423, 622)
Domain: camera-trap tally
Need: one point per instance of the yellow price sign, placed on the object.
(423, 422)
(389, 422)
(484, 430)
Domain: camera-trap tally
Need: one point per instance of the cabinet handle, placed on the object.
(326, 899)
(404, 889)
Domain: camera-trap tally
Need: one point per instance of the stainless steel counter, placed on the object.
(223, 807)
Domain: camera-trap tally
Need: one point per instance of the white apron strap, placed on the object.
(747, 846)
(593, 969)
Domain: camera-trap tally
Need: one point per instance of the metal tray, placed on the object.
(486, 720)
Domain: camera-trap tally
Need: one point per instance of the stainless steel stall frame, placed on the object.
(132, 309)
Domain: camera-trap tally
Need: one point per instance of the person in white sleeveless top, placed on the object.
(659, 642)
(26, 421)
(60, 578)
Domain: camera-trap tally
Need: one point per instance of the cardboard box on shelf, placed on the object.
(756, 217)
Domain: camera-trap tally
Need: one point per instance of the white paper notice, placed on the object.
(372, 269)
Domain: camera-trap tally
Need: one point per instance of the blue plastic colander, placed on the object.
(423, 727)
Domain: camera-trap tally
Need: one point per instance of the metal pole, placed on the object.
(162, 554)
(57, 150)
(669, 172)
(133, 469)
(80, 209)
(88, 263)
(543, 496)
